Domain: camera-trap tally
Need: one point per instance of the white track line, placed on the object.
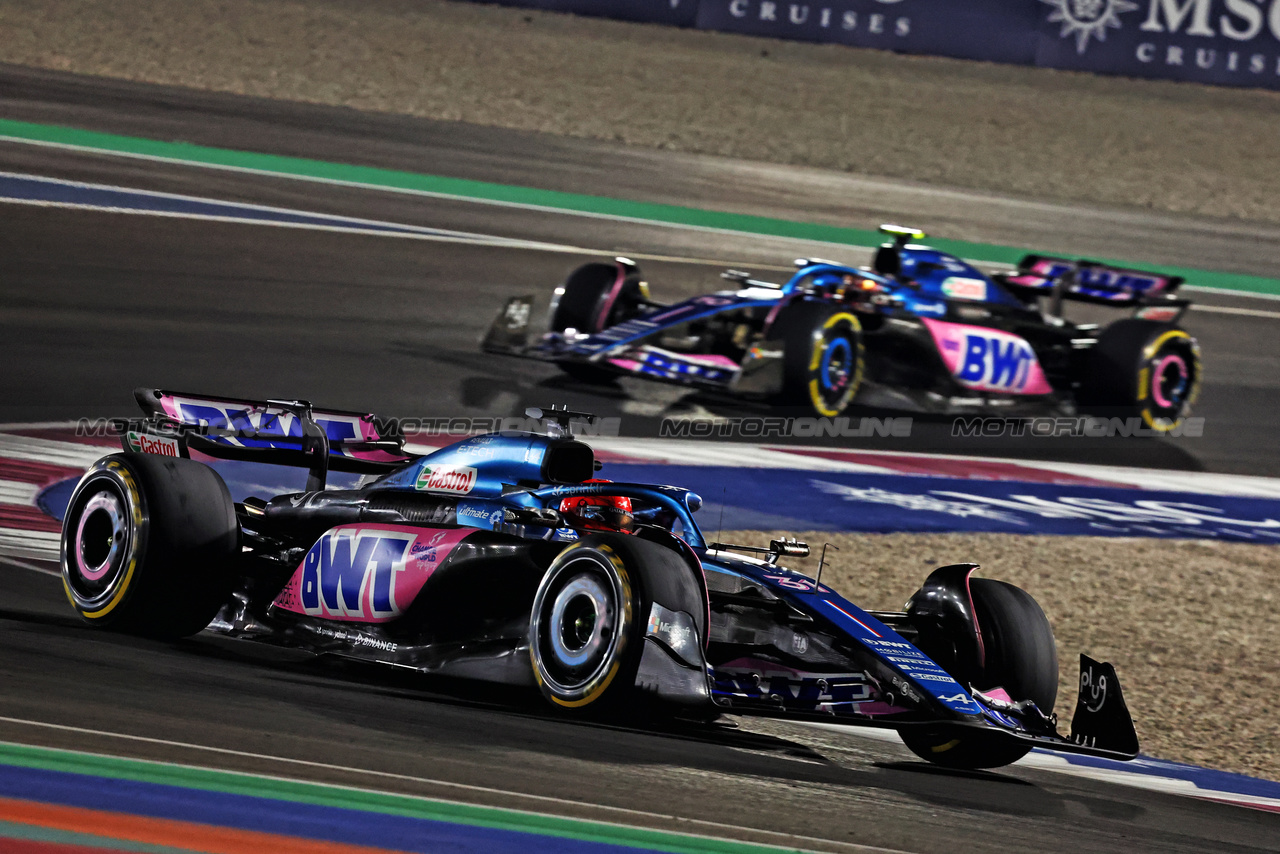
(18, 492)
(443, 235)
(1227, 309)
(362, 185)
(467, 787)
(43, 570)
(1044, 760)
(51, 451)
(33, 545)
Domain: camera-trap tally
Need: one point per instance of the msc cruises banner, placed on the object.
(1223, 42)
(996, 30)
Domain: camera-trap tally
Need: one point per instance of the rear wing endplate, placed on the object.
(277, 432)
(1092, 281)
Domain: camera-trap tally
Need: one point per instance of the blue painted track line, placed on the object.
(18, 188)
(284, 818)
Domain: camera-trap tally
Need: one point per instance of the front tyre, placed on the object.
(593, 637)
(149, 544)
(823, 356)
(584, 631)
(1019, 655)
(593, 298)
(1141, 368)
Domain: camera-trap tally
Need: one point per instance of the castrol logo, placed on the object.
(459, 480)
(141, 443)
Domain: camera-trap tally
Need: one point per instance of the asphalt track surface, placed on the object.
(762, 781)
(96, 303)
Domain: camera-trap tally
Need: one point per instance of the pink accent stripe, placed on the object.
(1264, 807)
(42, 474)
(855, 619)
(614, 292)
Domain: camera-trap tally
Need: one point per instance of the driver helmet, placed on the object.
(599, 512)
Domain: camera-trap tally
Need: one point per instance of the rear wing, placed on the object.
(278, 432)
(1092, 281)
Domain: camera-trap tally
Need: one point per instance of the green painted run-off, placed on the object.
(343, 797)
(369, 176)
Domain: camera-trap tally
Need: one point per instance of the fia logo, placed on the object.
(1088, 18)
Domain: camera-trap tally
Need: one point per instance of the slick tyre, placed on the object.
(594, 297)
(1020, 656)
(1143, 369)
(589, 618)
(823, 357)
(149, 545)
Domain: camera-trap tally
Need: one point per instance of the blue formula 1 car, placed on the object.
(503, 558)
(920, 330)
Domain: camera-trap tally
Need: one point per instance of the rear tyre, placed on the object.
(589, 618)
(1141, 368)
(1020, 656)
(823, 357)
(593, 298)
(149, 545)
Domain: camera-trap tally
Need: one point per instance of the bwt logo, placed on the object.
(352, 573)
(996, 363)
(1111, 280)
(251, 421)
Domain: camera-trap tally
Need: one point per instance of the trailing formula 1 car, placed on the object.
(919, 330)
(502, 557)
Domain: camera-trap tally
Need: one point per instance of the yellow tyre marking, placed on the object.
(594, 695)
(943, 748)
(133, 545)
(1164, 425)
(815, 394)
(596, 692)
(1150, 352)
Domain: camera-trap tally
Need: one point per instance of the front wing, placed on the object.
(919, 692)
(624, 350)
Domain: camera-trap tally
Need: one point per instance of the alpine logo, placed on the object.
(352, 573)
(1086, 19)
(458, 480)
(141, 443)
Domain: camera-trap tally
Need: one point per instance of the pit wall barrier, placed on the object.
(1218, 42)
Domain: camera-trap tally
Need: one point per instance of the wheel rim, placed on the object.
(1170, 380)
(99, 548)
(837, 365)
(835, 370)
(579, 626)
